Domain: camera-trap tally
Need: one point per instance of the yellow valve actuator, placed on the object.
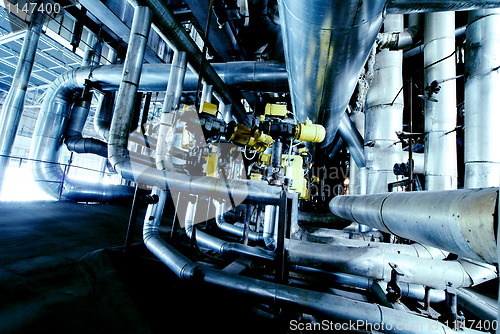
(308, 131)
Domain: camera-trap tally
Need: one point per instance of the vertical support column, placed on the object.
(384, 114)
(440, 166)
(14, 102)
(482, 100)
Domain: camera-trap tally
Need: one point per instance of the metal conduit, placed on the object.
(374, 262)
(413, 291)
(336, 307)
(326, 46)
(12, 108)
(462, 222)
(121, 122)
(482, 156)
(74, 140)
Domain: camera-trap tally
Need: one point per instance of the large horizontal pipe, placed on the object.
(375, 262)
(412, 291)
(425, 6)
(463, 222)
(245, 75)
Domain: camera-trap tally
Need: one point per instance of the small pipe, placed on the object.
(220, 246)
(354, 140)
(172, 97)
(220, 208)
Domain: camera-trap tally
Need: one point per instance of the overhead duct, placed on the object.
(326, 46)
(463, 222)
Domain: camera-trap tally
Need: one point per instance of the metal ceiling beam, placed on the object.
(180, 39)
(105, 15)
(12, 36)
(219, 39)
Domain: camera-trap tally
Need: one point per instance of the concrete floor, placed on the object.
(62, 271)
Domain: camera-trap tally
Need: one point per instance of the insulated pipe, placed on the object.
(45, 146)
(54, 115)
(326, 46)
(420, 265)
(118, 154)
(336, 307)
(105, 105)
(384, 114)
(12, 108)
(482, 156)
(218, 245)
(424, 6)
(375, 263)
(371, 260)
(440, 153)
(412, 291)
(462, 222)
(354, 140)
(220, 210)
(402, 40)
(177, 35)
(172, 97)
(73, 139)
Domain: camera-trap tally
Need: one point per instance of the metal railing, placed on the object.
(22, 166)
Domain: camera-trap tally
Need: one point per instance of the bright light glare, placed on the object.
(20, 186)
